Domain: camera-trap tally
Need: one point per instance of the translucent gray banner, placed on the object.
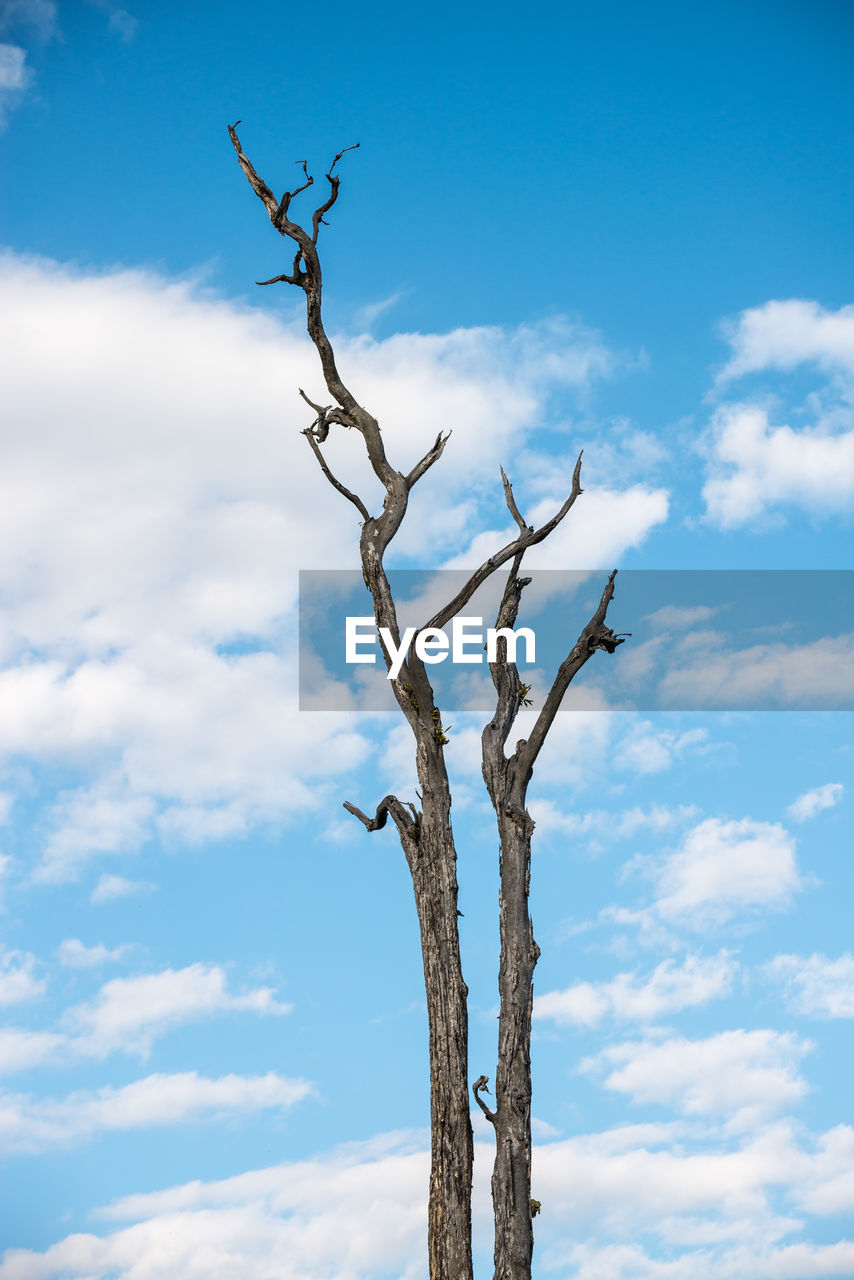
(743, 640)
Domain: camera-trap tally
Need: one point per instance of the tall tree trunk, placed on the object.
(434, 877)
(511, 1178)
(427, 837)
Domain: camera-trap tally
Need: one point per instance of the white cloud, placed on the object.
(94, 821)
(606, 824)
(830, 1185)
(815, 985)
(628, 996)
(818, 675)
(754, 466)
(127, 1014)
(123, 24)
(722, 868)
(38, 15)
(744, 1075)
(14, 78)
(748, 1258)
(150, 601)
(647, 749)
(76, 955)
(357, 1213)
(783, 334)
(19, 980)
(816, 800)
(673, 617)
(702, 1201)
(111, 887)
(29, 1125)
(21, 1049)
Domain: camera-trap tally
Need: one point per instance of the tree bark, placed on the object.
(511, 1177)
(433, 864)
(507, 779)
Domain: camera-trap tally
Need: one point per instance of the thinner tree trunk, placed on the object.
(511, 1177)
(434, 876)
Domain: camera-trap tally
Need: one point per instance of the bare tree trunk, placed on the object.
(507, 779)
(434, 879)
(511, 1177)
(426, 835)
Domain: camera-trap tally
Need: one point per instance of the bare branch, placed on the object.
(288, 196)
(310, 280)
(336, 484)
(482, 1082)
(297, 277)
(594, 636)
(354, 146)
(511, 503)
(529, 538)
(317, 216)
(406, 825)
(259, 186)
(283, 279)
(432, 455)
(318, 409)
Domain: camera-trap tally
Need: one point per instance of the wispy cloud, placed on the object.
(29, 1125)
(110, 887)
(743, 1075)
(120, 22)
(815, 985)
(635, 997)
(15, 78)
(127, 1015)
(20, 978)
(72, 953)
(816, 801)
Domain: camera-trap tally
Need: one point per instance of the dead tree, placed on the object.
(425, 833)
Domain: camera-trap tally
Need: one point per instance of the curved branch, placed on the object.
(482, 1082)
(317, 216)
(407, 825)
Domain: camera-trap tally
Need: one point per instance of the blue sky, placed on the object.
(615, 227)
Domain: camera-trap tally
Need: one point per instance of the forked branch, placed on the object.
(528, 537)
(594, 636)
